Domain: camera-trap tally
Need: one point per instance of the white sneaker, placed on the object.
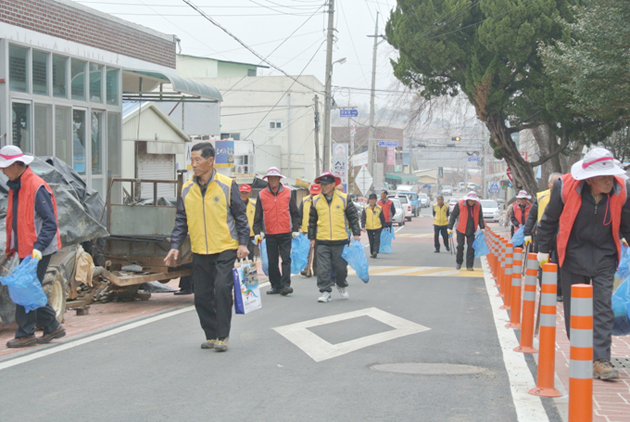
(343, 292)
(325, 297)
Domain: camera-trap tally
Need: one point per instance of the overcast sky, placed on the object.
(291, 34)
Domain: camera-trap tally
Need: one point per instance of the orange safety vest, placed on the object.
(463, 216)
(572, 203)
(518, 212)
(387, 210)
(276, 211)
(26, 230)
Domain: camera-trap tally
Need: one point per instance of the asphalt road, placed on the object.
(315, 370)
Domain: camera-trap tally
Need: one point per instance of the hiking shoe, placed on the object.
(343, 291)
(325, 297)
(221, 345)
(470, 269)
(287, 290)
(374, 255)
(436, 251)
(208, 344)
(603, 370)
(458, 266)
(274, 291)
(27, 341)
(47, 338)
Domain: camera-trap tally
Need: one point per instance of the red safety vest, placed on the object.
(387, 210)
(26, 231)
(518, 212)
(463, 216)
(572, 203)
(276, 212)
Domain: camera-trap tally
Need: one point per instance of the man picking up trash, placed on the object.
(469, 215)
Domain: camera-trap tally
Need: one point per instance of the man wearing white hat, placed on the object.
(31, 230)
(589, 211)
(277, 219)
(469, 215)
(520, 210)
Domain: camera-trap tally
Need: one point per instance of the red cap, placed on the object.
(245, 188)
(315, 189)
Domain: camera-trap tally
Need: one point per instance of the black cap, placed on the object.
(327, 180)
(372, 196)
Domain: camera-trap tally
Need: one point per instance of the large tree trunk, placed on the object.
(547, 143)
(522, 172)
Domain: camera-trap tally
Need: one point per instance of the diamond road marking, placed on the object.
(319, 349)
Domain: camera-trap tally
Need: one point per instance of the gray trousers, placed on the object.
(603, 316)
(331, 267)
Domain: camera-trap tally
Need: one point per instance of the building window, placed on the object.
(77, 69)
(40, 73)
(18, 68)
(63, 134)
(59, 73)
(275, 125)
(96, 79)
(42, 130)
(233, 136)
(78, 141)
(114, 142)
(251, 72)
(97, 142)
(21, 129)
(112, 90)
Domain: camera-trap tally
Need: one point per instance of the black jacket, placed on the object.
(470, 225)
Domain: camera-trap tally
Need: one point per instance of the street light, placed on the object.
(327, 108)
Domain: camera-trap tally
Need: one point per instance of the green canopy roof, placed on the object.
(402, 177)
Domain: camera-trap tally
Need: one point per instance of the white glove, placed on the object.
(37, 254)
(295, 234)
(543, 258)
(528, 240)
(259, 237)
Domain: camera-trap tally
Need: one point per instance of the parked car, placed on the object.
(399, 217)
(461, 186)
(490, 210)
(451, 204)
(415, 201)
(424, 200)
(405, 205)
(447, 190)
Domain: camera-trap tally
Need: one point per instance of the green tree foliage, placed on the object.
(486, 49)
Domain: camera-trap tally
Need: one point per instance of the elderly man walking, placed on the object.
(520, 211)
(305, 208)
(589, 211)
(278, 220)
(211, 211)
(469, 216)
(329, 218)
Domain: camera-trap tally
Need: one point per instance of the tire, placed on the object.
(56, 287)
(408, 218)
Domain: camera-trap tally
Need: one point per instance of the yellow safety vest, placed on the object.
(251, 212)
(543, 199)
(440, 218)
(306, 209)
(211, 227)
(373, 217)
(331, 218)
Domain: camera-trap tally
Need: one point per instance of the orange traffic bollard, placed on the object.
(581, 358)
(547, 338)
(507, 278)
(515, 309)
(529, 306)
(501, 269)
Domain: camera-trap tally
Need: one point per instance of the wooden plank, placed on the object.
(131, 280)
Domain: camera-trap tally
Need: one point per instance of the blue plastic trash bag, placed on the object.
(264, 257)
(386, 241)
(519, 237)
(300, 247)
(24, 286)
(623, 270)
(391, 229)
(480, 246)
(355, 256)
(621, 309)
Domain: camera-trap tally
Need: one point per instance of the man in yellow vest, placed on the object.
(305, 208)
(329, 217)
(250, 209)
(372, 221)
(441, 213)
(211, 211)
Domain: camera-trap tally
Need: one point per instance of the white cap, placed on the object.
(523, 194)
(596, 162)
(9, 154)
(273, 171)
(472, 196)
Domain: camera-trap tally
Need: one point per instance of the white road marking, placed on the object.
(529, 408)
(319, 349)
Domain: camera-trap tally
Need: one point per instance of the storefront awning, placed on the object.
(155, 86)
(402, 177)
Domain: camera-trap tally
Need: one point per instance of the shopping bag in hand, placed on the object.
(24, 286)
(386, 241)
(519, 237)
(246, 290)
(264, 257)
(621, 309)
(480, 246)
(354, 254)
(300, 247)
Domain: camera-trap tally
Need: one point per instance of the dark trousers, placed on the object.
(470, 252)
(436, 236)
(251, 248)
(279, 245)
(44, 317)
(214, 285)
(329, 260)
(603, 316)
(374, 237)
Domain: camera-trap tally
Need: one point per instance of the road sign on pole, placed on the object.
(474, 158)
(494, 188)
(364, 180)
(508, 172)
(348, 113)
(388, 143)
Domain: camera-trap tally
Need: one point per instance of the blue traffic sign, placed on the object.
(388, 144)
(474, 158)
(348, 113)
(494, 188)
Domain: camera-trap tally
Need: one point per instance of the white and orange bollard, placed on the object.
(515, 307)
(507, 277)
(529, 306)
(581, 357)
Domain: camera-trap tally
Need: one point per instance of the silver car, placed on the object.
(400, 213)
(490, 210)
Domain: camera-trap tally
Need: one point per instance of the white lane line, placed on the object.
(529, 408)
(74, 343)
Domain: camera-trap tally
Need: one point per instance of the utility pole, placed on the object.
(371, 154)
(328, 102)
(317, 172)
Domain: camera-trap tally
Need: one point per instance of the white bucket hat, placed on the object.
(273, 171)
(9, 154)
(472, 196)
(596, 162)
(523, 194)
